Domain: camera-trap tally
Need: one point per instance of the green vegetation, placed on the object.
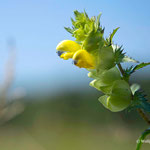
(71, 121)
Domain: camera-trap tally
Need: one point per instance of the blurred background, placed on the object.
(46, 102)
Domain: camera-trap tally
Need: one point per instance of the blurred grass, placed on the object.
(72, 121)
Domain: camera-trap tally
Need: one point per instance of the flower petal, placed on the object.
(66, 56)
(68, 46)
(84, 59)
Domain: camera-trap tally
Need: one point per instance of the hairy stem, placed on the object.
(143, 115)
(140, 111)
(121, 69)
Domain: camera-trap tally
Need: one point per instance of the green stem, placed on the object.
(121, 69)
(141, 138)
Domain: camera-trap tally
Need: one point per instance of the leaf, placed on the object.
(93, 41)
(119, 54)
(119, 98)
(141, 138)
(134, 87)
(103, 99)
(69, 30)
(129, 59)
(137, 67)
(145, 105)
(109, 39)
(106, 57)
(113, 33)
(97, 24)
(139, 101)
(130, 70)
(73, 22)
(86, 14)
(104, 81)
(82, 25)
(77, 14)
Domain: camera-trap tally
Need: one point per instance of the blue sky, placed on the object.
(37, 27)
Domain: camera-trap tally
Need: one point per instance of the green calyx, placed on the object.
(118, 92)
(119, 98)
(104, 81)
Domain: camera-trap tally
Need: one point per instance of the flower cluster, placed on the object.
(100, 56)
(70, 49)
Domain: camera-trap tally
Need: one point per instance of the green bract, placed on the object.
(106, 58)
(119, 97)
(94, 41)
(104, 81)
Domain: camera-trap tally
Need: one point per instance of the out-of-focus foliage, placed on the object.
(74, 120)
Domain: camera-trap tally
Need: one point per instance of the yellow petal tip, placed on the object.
(68, 46)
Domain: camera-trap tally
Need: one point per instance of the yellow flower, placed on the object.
(69, 49)
(83, 59)
(66, 56)
(68, 46)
